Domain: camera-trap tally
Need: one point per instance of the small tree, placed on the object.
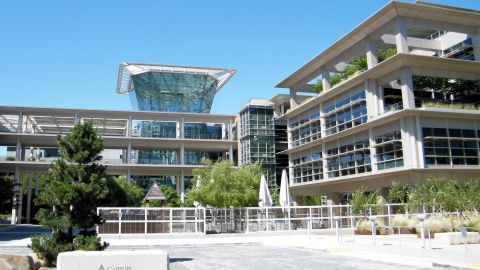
(71, 191)
(223, 185)
(6, 194)
(362, 201)
(123, 193)
(397, 193)
(171, 197)
(440, 194)
(312, 200)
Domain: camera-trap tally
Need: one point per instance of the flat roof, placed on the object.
(127, 69)
(393, 9)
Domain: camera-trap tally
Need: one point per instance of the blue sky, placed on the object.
(66, 53)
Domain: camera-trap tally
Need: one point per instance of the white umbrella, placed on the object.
(285, 196)
(265, 200)
(197, 187)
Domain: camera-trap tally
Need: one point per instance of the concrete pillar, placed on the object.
(408, 98)
(324, 162)
(333, 198)
(289, 134)
(20, 200)
(322, 121)
(382, 195)
(37, 180)
(373, 150)
(224, 131)
(476, 44)
(371, 53)
(401, 35)
(20, 122)
(15, 198)
(371, 97)
(182, 128)
(419, 143)
(182, 154)
(293, 99)
(76, 119)
(129, 126)
(230, 130)
(129, 153)
(230, 153)
(129, 175)
(325, 80)
(29, 198)
(182, 186)
(18, 150)
(381, 104)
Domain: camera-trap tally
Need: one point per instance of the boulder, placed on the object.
(17, 262)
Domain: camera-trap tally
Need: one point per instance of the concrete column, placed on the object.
(29, 197)
(20, 200)
(289, 134)
(371, 97)
(18, 150)
(182, 128)
(230, 153)
(129, 126)
(37, 180)
(15, 198)
(476, 44)
(325, 80)
(371, 53)
(382, 195)
(324, 162)
(381, 104)
(20, 122)
(230, 130)
(401, 35)
(322, 121)
(408, 98)
(293, 99)
(419, 143)
(76, 119)
(129, 175)
(182, 154)
(333, 198)
(224, 131)
(129, 153)
(373, 150)
(182, 186)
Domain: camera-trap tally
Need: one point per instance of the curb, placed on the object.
(453, 267)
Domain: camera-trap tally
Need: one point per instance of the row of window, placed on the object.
(346, 118)
(349, 159)
(389, 152)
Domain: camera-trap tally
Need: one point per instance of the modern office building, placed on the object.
(399, 101)
(162, 140)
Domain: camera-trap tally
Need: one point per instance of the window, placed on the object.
(349, 159)
(346, 113)
(389, 150)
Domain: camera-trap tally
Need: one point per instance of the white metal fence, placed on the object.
(242, 220)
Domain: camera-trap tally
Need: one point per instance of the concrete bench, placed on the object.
(456, 238)
(113, 260)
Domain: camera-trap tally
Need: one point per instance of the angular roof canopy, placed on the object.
(154, 194)
(127, 70)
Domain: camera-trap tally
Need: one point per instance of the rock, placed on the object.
(17, 262)
(456, 238)
(115, 259)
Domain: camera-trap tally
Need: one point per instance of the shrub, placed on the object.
(471, 220)
(366, 225)
(89, 243)
(436, 224)
(362, 201)
(403, 221)
(47, 247)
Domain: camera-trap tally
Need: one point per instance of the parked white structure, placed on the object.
(409, 110)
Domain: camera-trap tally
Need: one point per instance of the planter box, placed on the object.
(456, 238)
(363, 232)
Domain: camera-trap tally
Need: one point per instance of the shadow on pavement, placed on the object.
(18, 232)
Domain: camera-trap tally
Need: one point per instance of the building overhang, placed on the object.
(420, 10)
(127, 70)
(388, 66)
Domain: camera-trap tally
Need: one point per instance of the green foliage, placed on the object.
(398, 193)
(312, 200)
(318, 87)
(123, 193)
(362, 201)
(47, 247)
(171, 196)
(457, 106)
(89, 243)
(383, 55)
(275, 197)
(468, 196)
(6, 194)
(443, 85)
(231, 186)
(439, 194)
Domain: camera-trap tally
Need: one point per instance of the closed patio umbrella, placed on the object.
(285, 196)
(264, 199)
(197, 187)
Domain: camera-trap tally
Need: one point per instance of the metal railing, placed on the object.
(247, 219)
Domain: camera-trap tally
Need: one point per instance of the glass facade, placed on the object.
(346, 113)
(173, 92)
(389, 150)
(308, 167)
(306, 128)
(154, 129)
(145, 181)
(155, 156)
(450, 146)
(203, 131)
(257, 139)
(195, 157)
(349, 159)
